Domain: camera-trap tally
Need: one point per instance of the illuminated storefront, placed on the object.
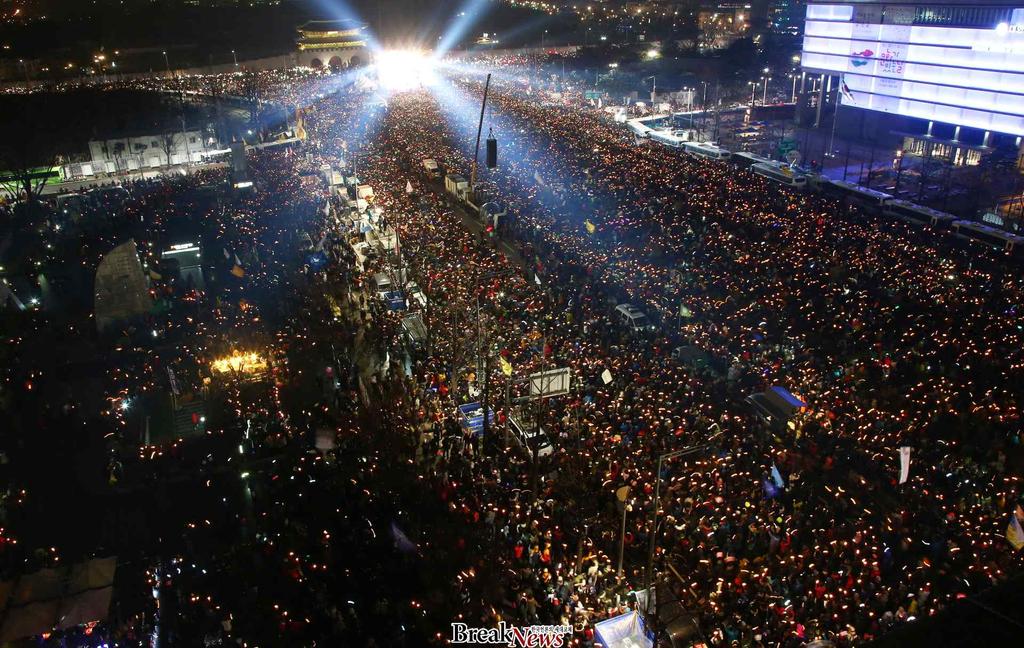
(957, 63)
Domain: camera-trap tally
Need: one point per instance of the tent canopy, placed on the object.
(624, 631)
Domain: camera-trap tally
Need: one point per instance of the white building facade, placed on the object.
(145, 152)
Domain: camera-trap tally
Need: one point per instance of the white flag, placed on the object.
(408, 187)
(606, 376)
(904, 464)
(536, 277)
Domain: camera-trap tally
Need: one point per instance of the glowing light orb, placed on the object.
(404, 69)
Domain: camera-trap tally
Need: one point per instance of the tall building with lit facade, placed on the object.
(946, 74)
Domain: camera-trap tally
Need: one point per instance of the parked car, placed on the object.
(529, 438)
(634, 319)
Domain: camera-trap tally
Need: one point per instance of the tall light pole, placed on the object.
(654, 86)
(543, 34)
(235, 57)
(753, 88)
(622, 495)
(764, 97)
(793, 98)
(167, 63)
(656, 510)
(476, 153)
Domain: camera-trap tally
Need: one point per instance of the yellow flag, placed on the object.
(591, 228)
(155, 276)
(238, 271)
(1014, 534)
(506, 366)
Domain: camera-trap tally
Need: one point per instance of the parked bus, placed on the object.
(859, 195)
(639, 128)
(910, 212)
(745, 160)
(997, 238)
(676, 138)
(706, 150)
(780, 173)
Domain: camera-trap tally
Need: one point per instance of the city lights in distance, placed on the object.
(404, 69)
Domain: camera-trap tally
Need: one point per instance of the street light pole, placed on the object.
(764, 97)
(235, 57)
(167, 63)
(476, 153)
(622, 494)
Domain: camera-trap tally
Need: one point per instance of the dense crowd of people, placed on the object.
(407, 520)
(893, 336)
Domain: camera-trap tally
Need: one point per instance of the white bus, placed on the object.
(639, 128)
(706, 150)
(908, 211)
(780, 173)
(745, 160)
(676, 138)
(860, 195)
(997, 238)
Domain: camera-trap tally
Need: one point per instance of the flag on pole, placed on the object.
(408, 187)
(506, 366)
(227, 255)
(536, 277)
(1014, 534)
(238, 271)
(777, 477)
(684, 311)
(845, 89)
(904, 464)
(591, 228)
(606, 376)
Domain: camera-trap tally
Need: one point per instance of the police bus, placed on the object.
(706, 150)
(780, 173)
(993, 236)
(908, 211)
(745, 160)
(858, 195)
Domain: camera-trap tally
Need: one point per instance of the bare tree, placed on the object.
(167, 144)
(252, 94)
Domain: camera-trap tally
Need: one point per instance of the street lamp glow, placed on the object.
(653, 53)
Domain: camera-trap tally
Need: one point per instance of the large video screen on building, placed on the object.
(890, 62)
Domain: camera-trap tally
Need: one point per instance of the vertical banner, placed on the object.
(904, 464)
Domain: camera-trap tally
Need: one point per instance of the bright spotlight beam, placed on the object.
(404, 69)
(469, 14)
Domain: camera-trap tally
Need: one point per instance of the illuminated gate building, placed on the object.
(337, 44)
